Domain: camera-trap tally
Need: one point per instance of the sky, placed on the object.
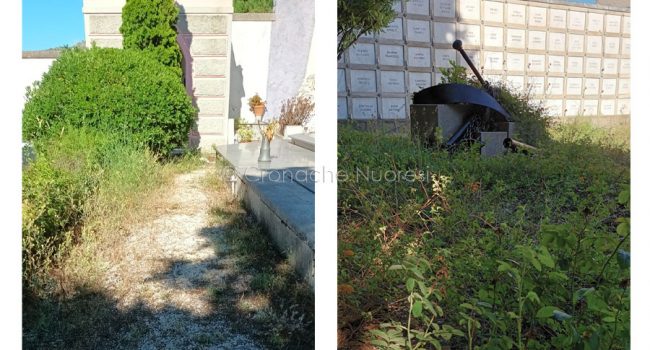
(49, 23)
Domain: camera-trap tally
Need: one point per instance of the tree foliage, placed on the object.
(150, 25)
(358, 17)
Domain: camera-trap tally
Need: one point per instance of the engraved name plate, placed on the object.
(397, 6)
(363, 81)
(419, 57)
(536, 85)
(610, 66)
(444, 8)
(364, 108)
(493, 78)
(340, 80)
(556, 64)
(592, 65)
(609, 87)
(493, 60)
(536, 40)
(624, 86)
(419, 81)
(418, 7)
(556, 86)
(590, 107)
(625, 67)
(391, 55)
(554, 107)
(576, 43)
(572, 108)
(613, 24)
(417, 31)
(516, 14)
(612, 45)
(536, 16)
(362, 54)
(577, 20)
(516, 38)
(475, 56)
(558, 19)
(626, 46)
(536, 63)
(393, 108)
(608, 107)
(515, 62)
(623, 107)
(469, 9)
(557, 42)
(493, 11)
(392, 82)
(470, 34)
(438, 78)
(594, 44)
(393, 31)
(342, 108)
(443, 56)
(444, 32)
(493, 36)
(596, 21)
(516, 82)
(626, 24)
(574, 86)
(592, 86)
(574, 65)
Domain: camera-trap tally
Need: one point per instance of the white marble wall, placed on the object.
(574, 58)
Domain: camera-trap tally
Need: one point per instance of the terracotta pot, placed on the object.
(258, 110)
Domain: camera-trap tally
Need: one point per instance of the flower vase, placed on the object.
(265, 150)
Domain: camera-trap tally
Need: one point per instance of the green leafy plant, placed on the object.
(112, 90)
(150, 25)
(253, 6)
(244, 132)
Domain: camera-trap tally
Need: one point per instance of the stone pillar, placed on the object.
(204, 28)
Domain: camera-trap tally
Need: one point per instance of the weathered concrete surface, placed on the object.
(306, 141)
(281, 196)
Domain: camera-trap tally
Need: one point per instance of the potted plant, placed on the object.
(257, 106)
(244, 132)
(267, 131)
(295, 112)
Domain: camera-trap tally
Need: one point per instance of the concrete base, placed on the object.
(280, 194)
(306, 141)
(493, 143)
(426, 118)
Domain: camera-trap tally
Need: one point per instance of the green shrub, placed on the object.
(253, 6)
(150, 25)
(123, 91)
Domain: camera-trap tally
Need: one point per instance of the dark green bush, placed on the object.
(253, 6)
(123, 91)
(150, 25)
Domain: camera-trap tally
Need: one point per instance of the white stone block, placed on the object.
(391, 55)
(493, 60)
(576, 43)
(473, 55)
(574, 86)
(364, 108)
(493, 78)
(608, 107)
(104, 24)
(340, 81)
(469, 9)
(574, 65)
(557, 42)
(516, 14)
(536, 63)
(516, 39)
(609, 87)
(362, 54)
(626, 46)
(626, 25)
(612, 45)
(393, 108)
(625, 67)
(595, 44)
(595, 22)
(556, 64)
(515, 62)
(363, 81)
(558, 19)
(419, 57)
(418, 30)
(203, 24)
(573, 108)
(211, 125)
(493, 36)
(493, 11)
(554, 107)
(592, 87)
(443, 56)
(536, 16)
(536, 85)
(417, 7)
(470, 34)
(208, 66)
(209, 46)
(342, 108)
(394, 30)
(593, 65)
(577, 20)
(610, 66)
(444, 8)
(612, 24)
(624, 87)
(107, 42)
(210, 105)
(590, 108)
(209, 87)
(555, 86)
(623, 107)
(516, 82)
(419, 81)
(444, 32)
(397, 6)
(536, 40)
(392, 82)
(438, 78)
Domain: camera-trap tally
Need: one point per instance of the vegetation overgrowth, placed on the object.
(253, 6)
